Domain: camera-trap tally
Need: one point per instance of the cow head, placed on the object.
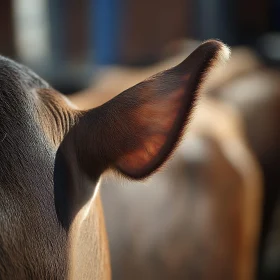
(52, 156)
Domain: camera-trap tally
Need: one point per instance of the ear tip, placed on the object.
(222, 51)
(209, 53)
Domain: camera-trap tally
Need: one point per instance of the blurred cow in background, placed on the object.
(200, 217)
(256, 95)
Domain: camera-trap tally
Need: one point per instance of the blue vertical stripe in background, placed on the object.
(105, 31)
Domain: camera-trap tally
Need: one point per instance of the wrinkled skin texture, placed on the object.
(26, 197)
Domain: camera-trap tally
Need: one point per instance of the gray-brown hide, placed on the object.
(199, 217)
(52, 156)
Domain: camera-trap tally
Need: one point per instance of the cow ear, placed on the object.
(136, 131)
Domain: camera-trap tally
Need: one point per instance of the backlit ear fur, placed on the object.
(136, 131)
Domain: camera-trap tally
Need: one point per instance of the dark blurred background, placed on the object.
(65, 40)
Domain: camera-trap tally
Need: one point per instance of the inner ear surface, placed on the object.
(164, 107)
